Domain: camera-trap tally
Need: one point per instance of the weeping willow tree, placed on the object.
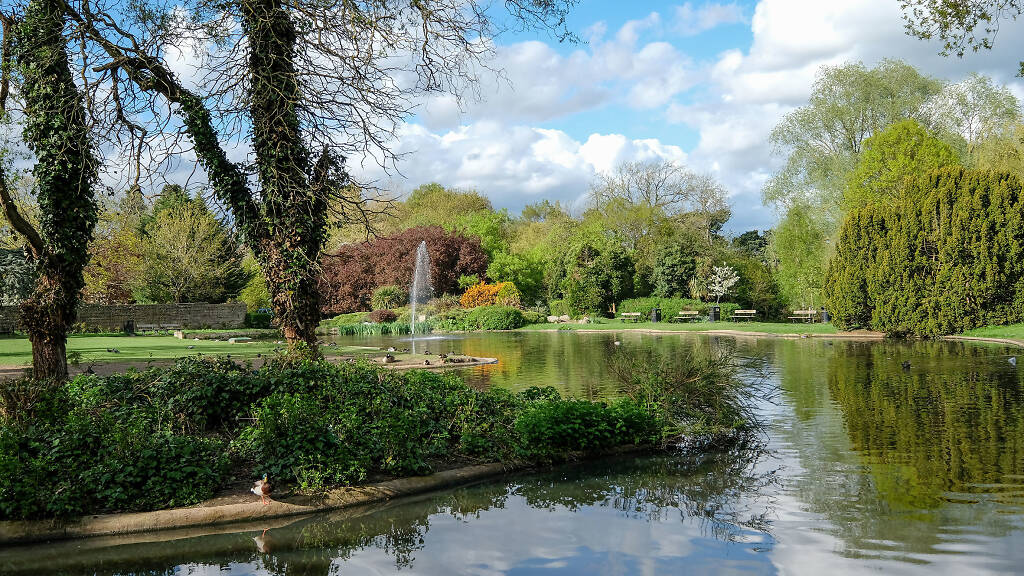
(303, 85)
(54, 128)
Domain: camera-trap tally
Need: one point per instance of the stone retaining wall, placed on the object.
(115, 318)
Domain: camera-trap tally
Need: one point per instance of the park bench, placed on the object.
(687, 316)
(146, 327)
(804, 316)
(630, 316)
(746, 315)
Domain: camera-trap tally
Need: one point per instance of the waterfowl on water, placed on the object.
(262, 489)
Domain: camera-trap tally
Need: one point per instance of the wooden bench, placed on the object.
(804, 316)
(630, 316)
(746, 315)
(146, 327)
(687, 316)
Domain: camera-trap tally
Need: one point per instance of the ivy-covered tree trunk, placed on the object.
(294, 206)
(55, 130)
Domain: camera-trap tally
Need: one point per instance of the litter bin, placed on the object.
(716, 314)
(655, 314)
(824, 315)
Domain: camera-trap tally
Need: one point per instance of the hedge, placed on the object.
(947, 257)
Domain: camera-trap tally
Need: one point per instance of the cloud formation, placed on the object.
(505, 146)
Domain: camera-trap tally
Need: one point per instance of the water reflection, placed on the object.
(867, 466)
(657, 513)
(911, 465)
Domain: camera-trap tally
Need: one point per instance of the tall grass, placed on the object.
(700, 393)
(374, 329)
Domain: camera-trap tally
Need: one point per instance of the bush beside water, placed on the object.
(175, 436)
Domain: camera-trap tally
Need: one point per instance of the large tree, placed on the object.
(35, 61)
(892, 157)
(303, 84)
(821, 140)
(189, 256)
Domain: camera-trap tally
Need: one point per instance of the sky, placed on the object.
(700, 83)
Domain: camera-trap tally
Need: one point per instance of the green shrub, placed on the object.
(468, 280)
(509, 295)
(444, 303)
(496, 318)
(555, 427)
(258, 319)
(455, 320)
(941, 259)
(71, 460)
(382, 316)
(293, 434)
(388, 297)
(559, 308)
(174, 436)
(533, 317)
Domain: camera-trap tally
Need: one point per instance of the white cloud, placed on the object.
(538, 84)
(690, 21)
(502, 146)
(513, 165)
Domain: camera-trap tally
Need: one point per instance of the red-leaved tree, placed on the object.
(351, 274)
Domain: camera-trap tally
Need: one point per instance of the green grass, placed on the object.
(762, 327)
(1015, 331)
(16, 351)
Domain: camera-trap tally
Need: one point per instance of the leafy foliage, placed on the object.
(945, 259)
(387, 297)
(190, 256)
(172, 436)
(902, 151)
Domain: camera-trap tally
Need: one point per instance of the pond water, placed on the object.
(865, 466)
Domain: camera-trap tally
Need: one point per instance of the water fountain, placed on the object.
(421, 286)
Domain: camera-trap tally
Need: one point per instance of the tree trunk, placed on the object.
(49, 357)
(294, 202)
(295, 300)
(46, 316)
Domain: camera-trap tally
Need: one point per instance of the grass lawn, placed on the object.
(1014, 331)
(16, 350)
(763, 327)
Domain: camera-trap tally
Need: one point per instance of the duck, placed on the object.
(262, 489)
(906, 365)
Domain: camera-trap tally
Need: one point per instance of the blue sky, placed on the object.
(701, 83)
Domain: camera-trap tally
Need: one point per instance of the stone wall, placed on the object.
(114, 318)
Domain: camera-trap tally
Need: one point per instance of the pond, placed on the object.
(866, 464)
